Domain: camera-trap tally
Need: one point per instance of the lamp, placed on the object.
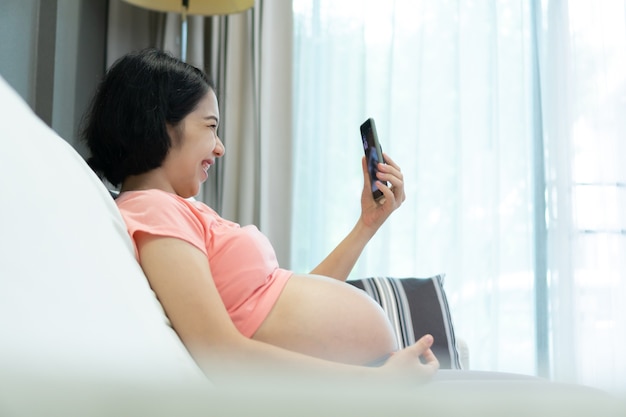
(197, 7)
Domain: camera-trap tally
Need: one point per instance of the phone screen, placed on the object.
(373, 153)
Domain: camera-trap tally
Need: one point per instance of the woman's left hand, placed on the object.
(374, 213)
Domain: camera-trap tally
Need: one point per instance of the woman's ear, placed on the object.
(175, 133)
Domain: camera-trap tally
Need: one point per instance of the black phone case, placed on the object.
(373, 153)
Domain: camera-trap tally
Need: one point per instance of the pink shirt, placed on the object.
(242, 260)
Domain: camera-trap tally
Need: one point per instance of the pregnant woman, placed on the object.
(152, 130)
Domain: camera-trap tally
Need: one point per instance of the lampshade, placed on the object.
(199, 7)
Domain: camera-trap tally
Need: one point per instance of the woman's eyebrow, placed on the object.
(211, 118)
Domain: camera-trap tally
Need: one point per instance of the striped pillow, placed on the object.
(416, 306)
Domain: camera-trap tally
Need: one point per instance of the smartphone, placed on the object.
(373, 153)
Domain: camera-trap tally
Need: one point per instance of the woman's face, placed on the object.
(195, 147)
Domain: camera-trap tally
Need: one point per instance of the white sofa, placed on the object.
(83, 334)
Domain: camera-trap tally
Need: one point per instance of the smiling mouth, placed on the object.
(206, 165)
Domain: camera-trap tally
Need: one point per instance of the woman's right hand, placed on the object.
(416, 362)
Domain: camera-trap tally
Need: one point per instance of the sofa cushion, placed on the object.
(415, 307)
(72, 296)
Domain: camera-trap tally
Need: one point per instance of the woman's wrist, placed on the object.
(365, 230)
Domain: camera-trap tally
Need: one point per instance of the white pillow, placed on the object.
(72, 296)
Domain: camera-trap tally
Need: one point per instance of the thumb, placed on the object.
(422, 349)
(423, 344)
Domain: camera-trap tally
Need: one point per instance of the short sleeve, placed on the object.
(162, 214)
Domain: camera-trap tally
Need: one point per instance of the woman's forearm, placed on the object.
(255, 358)
(251, 358)
(342, 259)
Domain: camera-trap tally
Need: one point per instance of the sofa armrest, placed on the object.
(464, 353)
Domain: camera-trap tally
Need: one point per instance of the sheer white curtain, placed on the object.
(479, 106)
(583, 56)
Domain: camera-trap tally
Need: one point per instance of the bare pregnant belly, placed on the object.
(329, 319)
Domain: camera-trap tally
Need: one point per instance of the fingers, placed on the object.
(390, 182)
(422, 345)
(416, 362)
(390, 162)
(421, 348)
(431, 361)
(391, 172)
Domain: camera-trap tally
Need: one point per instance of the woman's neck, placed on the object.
(146, 181)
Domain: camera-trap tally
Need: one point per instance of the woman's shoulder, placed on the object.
(164, 214)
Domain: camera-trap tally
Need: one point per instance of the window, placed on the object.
(480, 103)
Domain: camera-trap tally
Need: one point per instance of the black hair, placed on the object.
(125, 124)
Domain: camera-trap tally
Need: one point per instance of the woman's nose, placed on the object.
(219, 148)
